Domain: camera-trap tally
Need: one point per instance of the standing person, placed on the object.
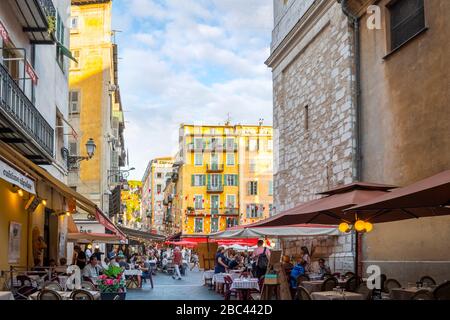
(79, 257)
(306, 259)
(177, 261)
(195, 261)
(97, 253)
(296, 271)
(220, 265)
(88, 252)
(261, 256)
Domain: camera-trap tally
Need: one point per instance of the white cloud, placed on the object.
(187, 61)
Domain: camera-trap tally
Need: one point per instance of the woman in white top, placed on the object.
(306, 259)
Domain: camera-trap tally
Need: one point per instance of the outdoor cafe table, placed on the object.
(316, 285)
(244, 285)
(333, 295)
(6, 295)
(208, 274)
(405, 293)
(132, 280)
(65, 295)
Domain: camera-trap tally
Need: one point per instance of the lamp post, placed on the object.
(90, 150)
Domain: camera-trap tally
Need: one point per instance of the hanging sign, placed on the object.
(4, 33)
(31, 73)
(13, 176)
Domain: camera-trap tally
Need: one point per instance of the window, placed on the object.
(198, 159)
(198, 180)
(76, 55)
(252, 188)
(73, 149)
(215, 181)
(60, 37)
(74, 23)
(252, 145)
(231, 180)
(252, 165)
(270, 145)
(74, 102)
(198, 143)
(231, 222)
(407, 18)
(254, 210)
(231, 201)
(271, 188)
(230, 144)
(214, 224)
(306, 118)
(198, 202)
(158, 175)
(158, 188)
(215, 204)
(198, 225)
(230, 159)
(59, 137)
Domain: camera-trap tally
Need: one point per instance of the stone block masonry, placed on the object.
(313, 114)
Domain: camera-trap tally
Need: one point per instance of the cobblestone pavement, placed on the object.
(190, 287)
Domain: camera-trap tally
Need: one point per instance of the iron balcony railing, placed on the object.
(214, 188)
(212, 147)
(16, 105)
(231, 211)
(214, 167)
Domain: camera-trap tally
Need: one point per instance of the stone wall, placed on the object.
(336, 250)
(313, 157)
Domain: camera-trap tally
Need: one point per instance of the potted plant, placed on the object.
(111, 283)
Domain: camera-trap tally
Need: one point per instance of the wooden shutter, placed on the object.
(193, 180)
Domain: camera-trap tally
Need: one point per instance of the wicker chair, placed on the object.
(352, 284)
(442, 292)
(423, 295)
(52, 285)
(86, 285)
(428, 280)
(391, 284)
(329, 284)
(302, 294)
(349, 274)
(48, 294)
(301, 278)
(81, 295)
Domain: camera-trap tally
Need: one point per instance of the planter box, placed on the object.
(112, 295)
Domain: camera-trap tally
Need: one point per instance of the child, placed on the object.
(296, 271)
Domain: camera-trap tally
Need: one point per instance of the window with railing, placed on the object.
(198, 202)
(254, 210)
(252, 188)
(198, 225)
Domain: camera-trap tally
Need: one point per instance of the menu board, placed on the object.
(15, 231)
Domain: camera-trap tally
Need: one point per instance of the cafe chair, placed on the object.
(442, 292)
(24, 287)
(52, 285)
(86, 285)
(329, 284)
(48, 294)
(352, 284)
(228, 292)
(301, 278)
(423, 295)
(427, 280)
(302, 294)
(87, 279)
(81, 295)
(391, 284)
(349, 274)
(366, 292)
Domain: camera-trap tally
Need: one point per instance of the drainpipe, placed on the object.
(354, 20)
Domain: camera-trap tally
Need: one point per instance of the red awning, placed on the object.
(243, 242)
(104, 220)
(182, 243)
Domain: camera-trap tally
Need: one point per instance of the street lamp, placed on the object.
(90, 150)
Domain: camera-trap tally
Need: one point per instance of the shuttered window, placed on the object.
(407, 18)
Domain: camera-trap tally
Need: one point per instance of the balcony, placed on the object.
(215, 167)
(214, 188)
(212, 147)
(37, 18)
(232, 211)
(21, 124)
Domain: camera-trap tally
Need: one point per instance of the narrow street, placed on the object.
(165, 288)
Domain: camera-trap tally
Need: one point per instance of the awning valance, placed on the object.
(82, 237)
(138, 234)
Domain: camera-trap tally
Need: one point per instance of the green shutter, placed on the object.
(220, 180)
(249, 188)
(193, 180)
(225, 183)
(209, 179)
(236, 180)
(203, 180)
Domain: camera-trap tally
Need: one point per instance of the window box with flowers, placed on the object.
(112, 284)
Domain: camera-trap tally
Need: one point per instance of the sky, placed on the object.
(190, 61)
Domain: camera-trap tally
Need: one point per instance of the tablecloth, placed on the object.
(332, 295)
(6, 295)
(316, 285)
(245, 283)
(132, 272)
(208, 274)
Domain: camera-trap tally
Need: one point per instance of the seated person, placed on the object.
(286, 263)
(145, 268)
(298, 270)
(122, 262)
(92, 270)
(62, 268)
(236, 262)
(323, 268)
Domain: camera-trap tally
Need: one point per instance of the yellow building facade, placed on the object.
(131, 205)
(221, 178)
(94, 101)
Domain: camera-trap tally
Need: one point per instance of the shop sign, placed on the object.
(13, 176)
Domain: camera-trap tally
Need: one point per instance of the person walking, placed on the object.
(261, 256)
(195, 261)
(177, 262)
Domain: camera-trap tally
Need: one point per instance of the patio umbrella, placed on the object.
(329, 210)
(425, 198)
(299, 230)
